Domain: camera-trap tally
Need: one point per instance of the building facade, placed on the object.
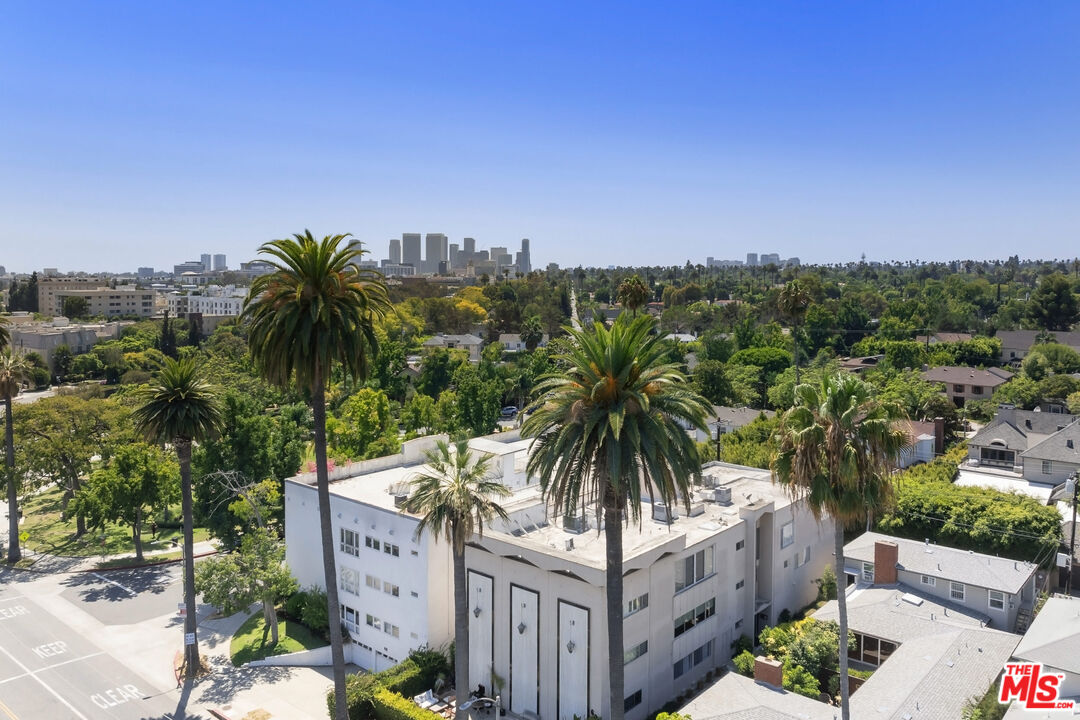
(101, 300)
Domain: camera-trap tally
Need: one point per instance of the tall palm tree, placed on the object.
(793, 301)
(181, 407)
(317, 308)
(5, 334)
(605, 431)
(837, 448)
(633, 293)
(455, 499)
(14, 368)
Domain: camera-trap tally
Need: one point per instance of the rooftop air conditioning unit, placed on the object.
(575, 524)
(400, 500)
(722, 495)
(663, 513)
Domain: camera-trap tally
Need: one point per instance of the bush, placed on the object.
(391, 706)
(413, 676)
(360, 692)
(743, 643)
(294, 605)
(799, 680)
(744, 663)
(314, 613)
(827, 584)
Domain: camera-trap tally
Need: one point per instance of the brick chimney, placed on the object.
(939, 435)
(886, 555)
(769, 672)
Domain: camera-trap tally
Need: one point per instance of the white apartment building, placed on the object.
(741, 556)
(211, 300)
(101, 299)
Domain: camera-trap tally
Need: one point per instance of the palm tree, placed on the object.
(793, 301)
(605, 430)
(837, 448)
(456, 500)
(633, 293)
(181, 407)
(14, 368)
(317, 308)
(5, 334)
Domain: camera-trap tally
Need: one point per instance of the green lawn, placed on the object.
(252, 640)
(49, 534)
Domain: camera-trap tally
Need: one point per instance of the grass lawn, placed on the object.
(252, 640)
(150, 560)
(49, 534)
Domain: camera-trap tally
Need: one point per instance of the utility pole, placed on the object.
(1072, 540)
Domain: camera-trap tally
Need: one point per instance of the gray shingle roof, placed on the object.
(734, 697)
(1026, 338)
(967, 376)
(938, 561)
(882, 612)
(1056, 447)
(1054, 636)
(1021, 429)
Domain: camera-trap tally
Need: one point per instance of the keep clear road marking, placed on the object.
(126, 589)
(45, 685)
(51, 667)
(7, 711)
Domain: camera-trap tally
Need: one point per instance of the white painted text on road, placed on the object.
(116, 696)
(51, 649)
(13, 612)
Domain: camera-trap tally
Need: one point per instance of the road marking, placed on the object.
(45, 685)
(50, 667)
(126, 589)
(13, 612)
(8, 711)
(116, 696)
(51, 649)
(12, 597)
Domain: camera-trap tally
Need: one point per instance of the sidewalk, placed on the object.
(52, 564)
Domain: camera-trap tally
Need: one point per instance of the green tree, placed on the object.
(793, 301)
(418, 414)
(167, 338)
(361, 420)
(455, 499)
(711, 381)
(62, 357)
(633, 293)
(478, 400)
(436, 372)
(76, 307)
(838, 446)
(257, 573)
(1053, 305)
(14, 369)
(532, 332)
(447, 419)
(316, 309)
(137, 481)
(180, 407)
(605, 428)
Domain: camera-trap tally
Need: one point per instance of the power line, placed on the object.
(1003, 531)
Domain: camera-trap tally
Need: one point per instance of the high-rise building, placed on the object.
(205, 258)
(395, 251)
(219, 263)
(499, 255)
(469, 245)
(145, 272)
(454, 252)
(751, 259)
(435, 251)
(410, 250)
(524, 260)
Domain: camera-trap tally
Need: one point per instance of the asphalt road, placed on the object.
(47, 671)
(122, 597)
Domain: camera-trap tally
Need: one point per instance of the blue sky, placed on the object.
(609, 133)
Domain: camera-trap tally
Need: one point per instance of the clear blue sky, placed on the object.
(144, 133)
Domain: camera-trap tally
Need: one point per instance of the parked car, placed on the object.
(509, 411)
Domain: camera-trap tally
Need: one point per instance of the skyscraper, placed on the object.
(454, 250)
(435, 251)
(205, 258)
(395, 251)
(410, 250)
(524, 261)
(469, 246)
(219, 263)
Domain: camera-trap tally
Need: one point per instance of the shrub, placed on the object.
(391, 706)
(744, 663)
(827, 584)
(314, 613)
(413, 676)
(743, 643)
(294, 605)
(799, 680)
(360, 691)
(785, 616)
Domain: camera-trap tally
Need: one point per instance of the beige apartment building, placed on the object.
(102, 300)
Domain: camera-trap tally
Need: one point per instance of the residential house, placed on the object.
(468, 342)
(966, 383)
(1002, 442)
(1000, 589)
(729, 419)
(1054, 640)
(512, 342)
(1016, 344)
(925, 441)
(858, 365)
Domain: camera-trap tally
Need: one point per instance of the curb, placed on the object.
(136, 566)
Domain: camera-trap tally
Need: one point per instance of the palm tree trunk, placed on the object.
(613, 540)
(14, 550)
(322, 476)
(461, 631)
(841, 602)
(136, 534)
(191, 652)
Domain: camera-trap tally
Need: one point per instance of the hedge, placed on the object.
(413, 676)
(391, 706)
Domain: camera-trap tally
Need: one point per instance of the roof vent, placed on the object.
(722, 495)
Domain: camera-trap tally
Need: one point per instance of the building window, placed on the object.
(636, 604)
(806, 555)
(635, 652)
(632, 701)
(350, 580)
(976, 389)
(1047, 467)
(350, 542)
(689, 619)
(694, 659)
(694, 568)
(371, 542)
(740, 545)
(928, 581)
(390, 589)
(956, 591)
(997, 600)
(739, 585)
(787, 534)
(391, 549)
(868, 572)
(958, 388)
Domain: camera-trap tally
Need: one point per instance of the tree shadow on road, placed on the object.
(117, 586)
(226, 681)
